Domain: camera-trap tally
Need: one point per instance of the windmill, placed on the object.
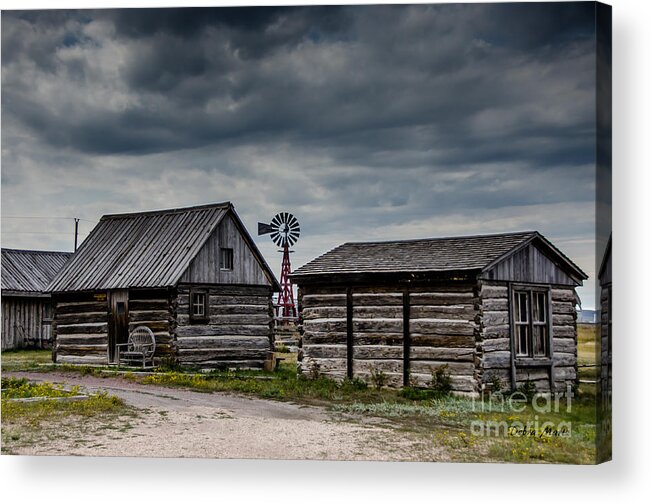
(284, 231)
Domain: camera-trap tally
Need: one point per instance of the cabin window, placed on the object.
(198, 306)
(226, 259)
(531, 322)
(47, 314)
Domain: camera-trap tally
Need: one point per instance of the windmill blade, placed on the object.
(293, 221)
(264, 229)
(276, 221)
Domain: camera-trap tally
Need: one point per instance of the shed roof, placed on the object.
(462, 253)
(30, 271)
(145, 249)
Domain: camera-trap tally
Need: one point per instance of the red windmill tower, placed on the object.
(284, 230)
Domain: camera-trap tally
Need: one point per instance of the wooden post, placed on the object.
(76, 232)
(512, 336)
(406, 339)
(349, 333)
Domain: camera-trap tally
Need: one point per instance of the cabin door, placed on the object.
(118, 320)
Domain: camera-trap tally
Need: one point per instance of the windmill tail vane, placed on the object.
(284, 231)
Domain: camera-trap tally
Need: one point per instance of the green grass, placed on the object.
(24, 360)
(587, 336)
(15, 388)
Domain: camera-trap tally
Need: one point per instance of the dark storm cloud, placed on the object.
(209, 75)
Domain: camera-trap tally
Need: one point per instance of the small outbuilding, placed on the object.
(193, 275)
(26, 307)
(497, 310)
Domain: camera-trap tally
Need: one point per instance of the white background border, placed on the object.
(102, 480)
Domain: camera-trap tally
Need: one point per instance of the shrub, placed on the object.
(354, 384)
(495, 384)
(441, 380)
(378, 378)
(168, 363)
(315, 370)
(528, 389)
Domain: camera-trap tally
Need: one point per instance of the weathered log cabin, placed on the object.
(606, 319)
(26, 307)
(496, 309)
(193, 275)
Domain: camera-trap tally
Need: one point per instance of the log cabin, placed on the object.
(606, 317)
(497, 310)
(26, 307)
(193, 275)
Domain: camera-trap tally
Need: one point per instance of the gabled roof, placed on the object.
(463, 253)
(146, 249)
(30, 271)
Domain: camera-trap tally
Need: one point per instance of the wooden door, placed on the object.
(118, 320)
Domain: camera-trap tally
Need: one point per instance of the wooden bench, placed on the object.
(139, 348)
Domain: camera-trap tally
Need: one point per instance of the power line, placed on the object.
(40, 232)
(36, 217)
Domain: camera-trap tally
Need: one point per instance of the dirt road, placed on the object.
(182, 423)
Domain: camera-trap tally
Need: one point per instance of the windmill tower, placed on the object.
(284, 231)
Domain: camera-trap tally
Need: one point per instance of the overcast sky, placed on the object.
(367, 123)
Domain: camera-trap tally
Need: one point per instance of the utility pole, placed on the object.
(76, 232)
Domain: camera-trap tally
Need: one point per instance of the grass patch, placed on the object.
(24, 360)
(21, 388)
(587, 341)
(26, 424)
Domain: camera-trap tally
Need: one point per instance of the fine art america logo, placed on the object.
(517, 402)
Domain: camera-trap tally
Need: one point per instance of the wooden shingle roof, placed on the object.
(143, 250)
(30, 271)
(434, 255)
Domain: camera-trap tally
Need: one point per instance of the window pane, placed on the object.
(198, 304)
(540, 307)
(226, 258)
(540, 340)
(522, 339)
(522, 307)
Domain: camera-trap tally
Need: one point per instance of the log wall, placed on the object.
(494, 346)
(80, 330)
(378, 334)
(238, 332)
(441, 330)
(324, 340)
(605, 355)
(22, 323)
(154, 309)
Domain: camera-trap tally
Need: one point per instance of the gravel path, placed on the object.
(182, 423)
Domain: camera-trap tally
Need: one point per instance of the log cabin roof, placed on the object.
(30, 271)
(431, 255)
(146, 249)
